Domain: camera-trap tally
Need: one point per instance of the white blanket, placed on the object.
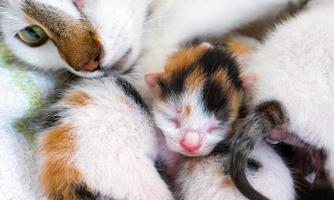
(21, 95)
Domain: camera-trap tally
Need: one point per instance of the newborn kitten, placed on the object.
(203, 178)
(198, 98)
(293, 95)
(100, 144)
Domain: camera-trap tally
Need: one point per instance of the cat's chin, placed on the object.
(96, 74)
(194, 154)
(118, 68)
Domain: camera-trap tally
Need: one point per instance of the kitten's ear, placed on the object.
(152, 79)
(248, 82)
(80, 4)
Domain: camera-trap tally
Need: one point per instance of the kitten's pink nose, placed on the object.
(191, 141)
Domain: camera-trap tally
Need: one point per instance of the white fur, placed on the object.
(199, 121)
(121, 24)
(295, 66)
(116, 144)
(13, 19)
(206, 179)
(174, 22)
(106, 168)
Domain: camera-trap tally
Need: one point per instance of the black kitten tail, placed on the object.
(250, 131)
(240, 151)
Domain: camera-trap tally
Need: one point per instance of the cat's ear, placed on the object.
(80, 4)
(152, 79)
(248, 82)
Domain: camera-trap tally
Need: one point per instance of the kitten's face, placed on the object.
(88, 37)
(198, 97)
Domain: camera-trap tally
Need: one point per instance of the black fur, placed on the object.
(175, 87)
(131, 92)
(253, 165)
(214, 98)
(253, 128)
(81, 192)
(219, 58)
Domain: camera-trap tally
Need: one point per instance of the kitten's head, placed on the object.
(87, 37)
(197, 99)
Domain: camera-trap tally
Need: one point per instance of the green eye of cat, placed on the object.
(33, 36)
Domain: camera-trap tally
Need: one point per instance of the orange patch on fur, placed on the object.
(222, 77)
(228, 183)
(235, 96)
(188, 111)
(237, 48)
(235, 100)
(58, 174)
(195, 79)
(77, 99)
(183, 59)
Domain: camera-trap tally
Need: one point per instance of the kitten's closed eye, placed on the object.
(214, 129)
(176, 122)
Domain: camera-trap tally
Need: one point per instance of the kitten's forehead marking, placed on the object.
(178, 69)
(76, 39)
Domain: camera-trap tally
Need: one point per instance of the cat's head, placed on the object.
(87, 37)
(197, 98)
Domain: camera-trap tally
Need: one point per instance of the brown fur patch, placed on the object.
(222, 77)
(236, 103)
(237, 48)
(77, 41)
(234, 95)
(57, 172)
(228, 183)
(188, 111)
(183, 59)
(78, 99)
(195, 79)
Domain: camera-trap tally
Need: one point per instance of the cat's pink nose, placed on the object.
(92, 65)
(191, 141)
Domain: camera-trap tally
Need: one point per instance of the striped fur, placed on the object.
(249, 132)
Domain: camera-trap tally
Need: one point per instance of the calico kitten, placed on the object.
(203, 178)
(198, 99)
(102, 144)
(293, 94)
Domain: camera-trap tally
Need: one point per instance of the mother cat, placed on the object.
(93, 38)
